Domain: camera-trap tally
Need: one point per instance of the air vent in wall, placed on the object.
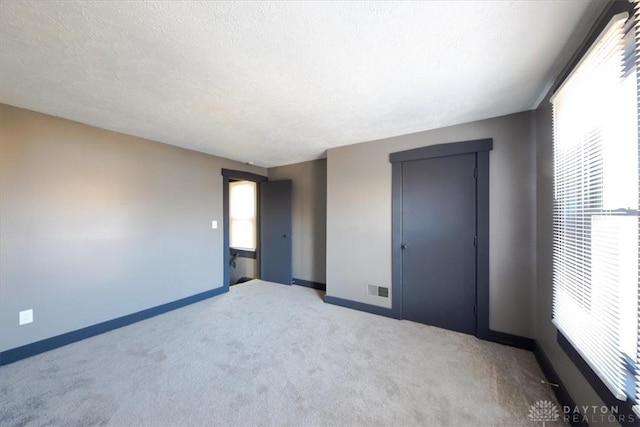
(379, 291)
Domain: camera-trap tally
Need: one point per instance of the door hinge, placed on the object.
(475, 310)
(475, 241)
(475, 172)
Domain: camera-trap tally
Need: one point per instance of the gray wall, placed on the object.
(545, 331)
(97, 225)
(309, 217)
(359, 216)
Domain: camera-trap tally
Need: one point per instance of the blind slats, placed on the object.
(636, 408)
(595, 250)
(242, 215)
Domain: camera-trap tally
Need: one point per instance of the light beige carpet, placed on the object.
(268, 354)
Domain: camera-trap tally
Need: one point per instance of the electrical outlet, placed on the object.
(25, 317)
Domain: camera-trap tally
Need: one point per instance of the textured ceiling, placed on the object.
(279, 82)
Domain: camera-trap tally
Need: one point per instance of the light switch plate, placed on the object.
(25, 317)
(214, 224)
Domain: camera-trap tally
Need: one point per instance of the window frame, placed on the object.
(240, 251)
(625, 408)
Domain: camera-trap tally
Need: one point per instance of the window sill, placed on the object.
(243, 253)
(625, 415)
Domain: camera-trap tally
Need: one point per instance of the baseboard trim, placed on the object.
(309, 284)
(19, 353)
(373, 309)
(510, 340)
(551, 375)
(491, 335)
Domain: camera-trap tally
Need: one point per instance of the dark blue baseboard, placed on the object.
(510, 340)
(309, 284)
(18, 353)
(490, 335)
(551, 375)
(374, 309)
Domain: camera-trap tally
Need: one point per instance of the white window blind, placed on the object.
(595, 219)
(242, 215)
(636, 408)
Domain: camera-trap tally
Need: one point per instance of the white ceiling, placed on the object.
(279, 82)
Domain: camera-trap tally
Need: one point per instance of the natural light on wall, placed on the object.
(242, 215)
(595, 224)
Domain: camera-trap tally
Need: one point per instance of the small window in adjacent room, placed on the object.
(595, 219)
(242, 215)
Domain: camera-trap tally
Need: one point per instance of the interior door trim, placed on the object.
(229, 175)
(441, 150)
(481, 148)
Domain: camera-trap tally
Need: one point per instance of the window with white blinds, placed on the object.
(242, 215)
(636, 52)
(595, 220)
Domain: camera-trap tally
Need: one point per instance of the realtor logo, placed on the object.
(543, 411)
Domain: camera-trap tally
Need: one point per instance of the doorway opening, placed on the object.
(241, 222)
(257, 228)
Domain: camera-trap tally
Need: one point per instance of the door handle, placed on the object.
(404, 246)
(284, 236)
